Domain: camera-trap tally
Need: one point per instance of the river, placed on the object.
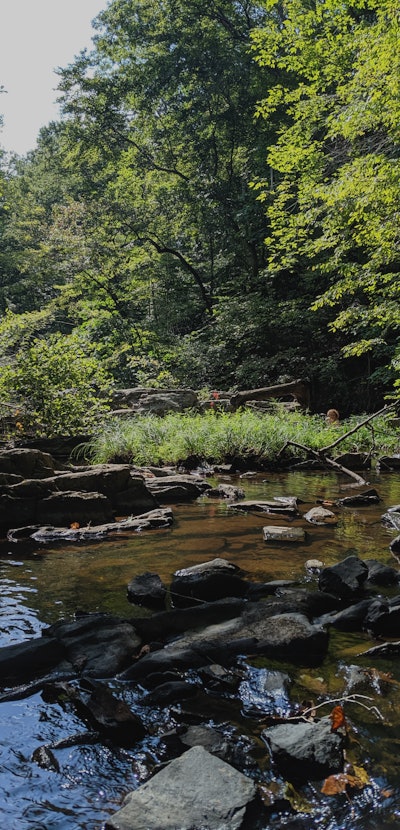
(40, 586)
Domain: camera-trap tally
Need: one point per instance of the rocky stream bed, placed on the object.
(219, 701)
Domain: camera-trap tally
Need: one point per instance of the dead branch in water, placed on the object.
(323, 458)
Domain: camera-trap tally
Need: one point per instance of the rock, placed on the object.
(273, 533)
(177, 488)
(143, 399)
(349, 619)
(49, 534)
(196, 790)
(389, 462)
(360, 499)
(14, 511)
(265, 691)
(65, 508)
(170, 692)
(207, 582)
(354, 460)
(225, 491)
(313, 565)
(230, 747)
(147, 589)
(126, 491)
(395, 546)
(391, 519)
(289, 637)
(30, 659)
(383, 618)
(379, 574)
(27, 463)
(109, 715)
(100, 644)
(346, 579)
(320, 516)
(169, 624)
(271, 508)
(304, 751)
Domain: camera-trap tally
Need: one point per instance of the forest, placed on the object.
(218, 208)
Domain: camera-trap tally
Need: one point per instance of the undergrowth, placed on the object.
(216, 437)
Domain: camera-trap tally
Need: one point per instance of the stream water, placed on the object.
(40, 586)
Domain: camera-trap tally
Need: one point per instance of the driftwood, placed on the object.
(322, 454)
(299, 389)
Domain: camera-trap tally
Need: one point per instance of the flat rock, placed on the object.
(194, 791)
(273, 533)
(271, 508)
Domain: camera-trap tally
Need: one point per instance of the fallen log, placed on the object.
(299, 389)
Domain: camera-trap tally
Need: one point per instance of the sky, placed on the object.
(36, 36)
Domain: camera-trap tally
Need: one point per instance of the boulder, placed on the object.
(31, 659)
(346, 579)
(177, 488)
(99, 644)
(383, 618)
(196, 790)
(360, 499)
(28, 463)
(147, 589)
(65, 508)
(108, 715)
(126, 491)
(305, 750)
(158, 401)
(207, 582)
(289, 637)
(380, 574)
(320, 516)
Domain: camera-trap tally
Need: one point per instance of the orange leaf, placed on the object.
(335, 784)
(337, 717)
(339, 783)
(74, 525)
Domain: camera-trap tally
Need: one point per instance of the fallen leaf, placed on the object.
(335, 784)
(340, 783)
(337, 717)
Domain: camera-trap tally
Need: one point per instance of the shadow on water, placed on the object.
(41, 585)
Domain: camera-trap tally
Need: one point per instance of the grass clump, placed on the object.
(218, 437)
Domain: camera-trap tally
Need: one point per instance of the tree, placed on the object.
(333, 208)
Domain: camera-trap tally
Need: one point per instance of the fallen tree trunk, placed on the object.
(299, 389)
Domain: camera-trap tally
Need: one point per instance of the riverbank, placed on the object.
(248, 437)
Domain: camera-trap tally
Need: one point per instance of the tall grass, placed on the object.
(217, 437)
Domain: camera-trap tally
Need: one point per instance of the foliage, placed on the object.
(188, 242)
(58, 385)
(218, 437)
(334, 206)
